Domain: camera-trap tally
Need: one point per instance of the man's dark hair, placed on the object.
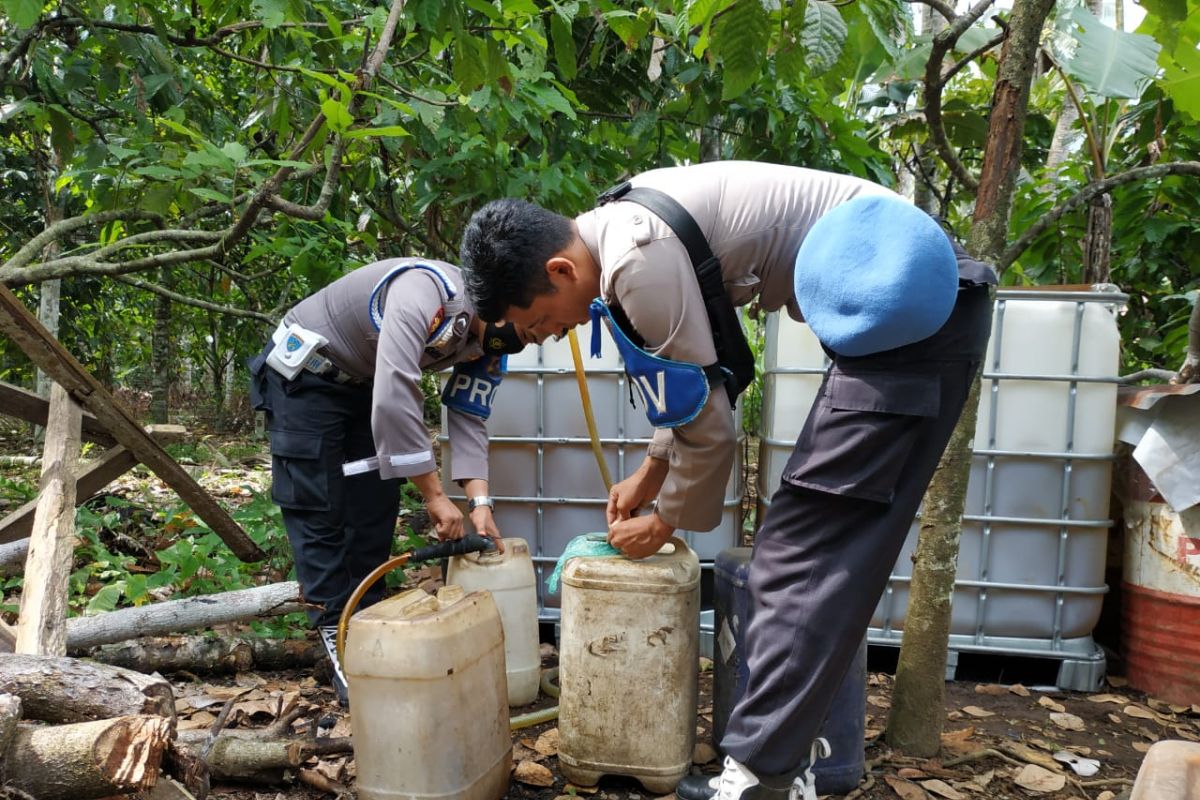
(504, 254)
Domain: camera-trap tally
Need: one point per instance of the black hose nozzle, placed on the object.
(470, 543)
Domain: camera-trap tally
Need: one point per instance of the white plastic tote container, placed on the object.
(509, 577)
(428, 697)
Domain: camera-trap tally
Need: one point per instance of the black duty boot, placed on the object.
(337, 677)
(735, 782)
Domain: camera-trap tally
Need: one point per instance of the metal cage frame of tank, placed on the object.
(1083, 662)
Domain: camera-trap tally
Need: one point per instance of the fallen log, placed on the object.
(241, 755)
(12, 556)
(88, 759)
(190, 613)
(60, 689)
(199, 654)
(10, 715)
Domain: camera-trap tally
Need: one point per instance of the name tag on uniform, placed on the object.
(473, 384)
(672, 392)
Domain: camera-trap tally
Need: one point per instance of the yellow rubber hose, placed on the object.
(357, 595)
(544, 715)
(585, 399)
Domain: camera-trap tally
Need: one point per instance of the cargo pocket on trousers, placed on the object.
(861, 430)
(299, 479)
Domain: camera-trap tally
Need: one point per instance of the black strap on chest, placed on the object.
(734, 357)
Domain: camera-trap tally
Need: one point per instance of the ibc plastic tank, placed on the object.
(509, 577)
(1031, 560)
(428, 698)
(629, 664)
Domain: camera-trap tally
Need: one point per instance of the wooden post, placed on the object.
(44, 350)
(42, 627)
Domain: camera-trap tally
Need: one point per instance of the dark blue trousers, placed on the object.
(340, 528)
(836, 526)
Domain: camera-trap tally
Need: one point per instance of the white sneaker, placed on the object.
(735, 782)
(805, 785)
(337, 678)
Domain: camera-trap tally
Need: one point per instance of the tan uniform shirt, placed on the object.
(754, 216)
(394, 357)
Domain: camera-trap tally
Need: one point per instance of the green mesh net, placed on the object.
(586, 545)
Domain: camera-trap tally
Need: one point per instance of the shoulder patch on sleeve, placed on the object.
(438, 317)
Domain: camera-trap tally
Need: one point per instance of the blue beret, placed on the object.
(873, 274)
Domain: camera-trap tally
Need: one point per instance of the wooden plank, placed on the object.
(113, 464)
(44, 350)
(27, 405)
(42, 625)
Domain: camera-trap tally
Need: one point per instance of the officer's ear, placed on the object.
(562, 268)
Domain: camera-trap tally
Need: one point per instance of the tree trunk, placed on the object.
(160, 356)
(42, 626)
(1097, 242)
(49, 298)
(69, 690)
(87, 759)
(915, 722)
(1006, 128)
(198, 654)
(918, 701)
(925, 195)
(189, 613)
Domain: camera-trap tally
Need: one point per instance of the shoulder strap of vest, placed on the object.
(452, 300)
(734, 356)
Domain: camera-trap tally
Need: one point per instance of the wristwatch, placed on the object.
(480, 500)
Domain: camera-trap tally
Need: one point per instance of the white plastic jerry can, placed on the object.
(510, 579)
(428, 700)
(629, 664)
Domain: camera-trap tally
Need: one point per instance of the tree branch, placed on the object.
(945, 9)
(154, 288)
(35, 245)
(974, 54)
(935, 81)
(317, 210)
(1084, 195)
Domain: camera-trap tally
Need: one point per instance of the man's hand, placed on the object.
(485, 525)
(447, 519)
(636, 491)
(639, 537)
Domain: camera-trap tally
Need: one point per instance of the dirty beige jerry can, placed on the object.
(510, 579)
(428, 697)
(628, 667)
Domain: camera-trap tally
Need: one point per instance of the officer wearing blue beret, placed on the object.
(901, 310)
(340, 383)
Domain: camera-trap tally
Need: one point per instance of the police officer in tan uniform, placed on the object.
(340, 383)
(904, 315)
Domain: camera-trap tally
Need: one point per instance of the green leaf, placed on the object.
(1181, 80)
(470, 68)
(564, 46)
(23, 12)
(740, 40)
(823, 36)
(180, 128)
(1109, 62)
(337, 115)
(329, 80)
(158, 172)
(273, 13)
(106, 599)
(331, 19)
(210, 194)
(387, 130)
(550, 98)
(236, 152)
(631, 28)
